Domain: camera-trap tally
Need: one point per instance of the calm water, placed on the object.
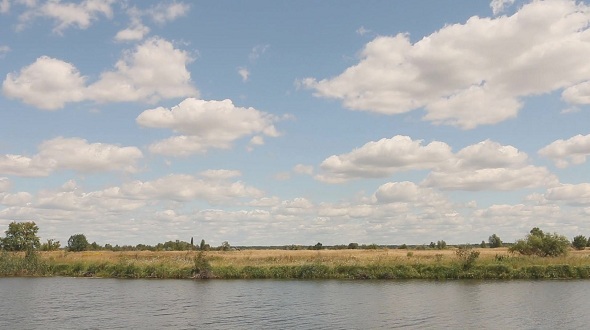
(79, 303)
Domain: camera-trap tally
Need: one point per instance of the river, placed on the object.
(87, 303)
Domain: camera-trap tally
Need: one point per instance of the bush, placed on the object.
(495, 241)
(541, 244)
(467, 256)
(580, 242)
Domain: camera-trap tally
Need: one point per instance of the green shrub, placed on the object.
(541, 244)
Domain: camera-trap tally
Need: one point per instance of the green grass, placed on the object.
(278, 264)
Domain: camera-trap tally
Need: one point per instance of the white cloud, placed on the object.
(183, 188)
(4, 185)
(71, 154)
(474, 73)
(499, 5)
(483, 166)
(79, 155)
(67, 15)
(383, 158)
(166, 12)
(155, 70)
(244, 73)
(573, 194)
(489, 165)
(4, 50)
(303, 169)
(408, 192)
(205, 124)
(220, 174)
(134, 32)
(362, 31)
(47, 84)
(567, 152)
(257, 51)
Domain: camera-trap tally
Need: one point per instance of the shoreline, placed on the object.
(382, 264)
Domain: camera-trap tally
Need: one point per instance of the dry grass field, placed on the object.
(300, 264)
(267, 258)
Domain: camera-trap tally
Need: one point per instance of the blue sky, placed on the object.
(281, 122)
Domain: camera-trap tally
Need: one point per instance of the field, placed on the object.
(305, 264)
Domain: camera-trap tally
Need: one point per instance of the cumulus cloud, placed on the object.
(71, 154)
(154, 70)
(47, 84)
(383, 158)
(183, 188)
(220, 174)
(475, 73)
(66, 15)
(567, 152)
(487, 165)
(205, 124)
(572, 194)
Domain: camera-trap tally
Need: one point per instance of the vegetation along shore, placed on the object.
(537, 256)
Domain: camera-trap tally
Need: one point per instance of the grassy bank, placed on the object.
(304, 264)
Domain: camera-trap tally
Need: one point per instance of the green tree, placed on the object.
(580, 242)
(77, 243)
(541, 244)
(441, 245)
(225, 246)
(353, 246)
(483, 244)
(495, 241)
(21, 236)
(51, 245)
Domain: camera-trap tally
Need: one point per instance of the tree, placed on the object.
(77, 243)
(483, 244)
(541, 244)
(51, 245)
(225, 246)
(441, 245)
(580, 242)
(495, 241)
(202, 245)
(353, 246)
(21, 236)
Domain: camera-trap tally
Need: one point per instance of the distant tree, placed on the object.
(353, 246)
(441, 245)
(192, 242)
(483, 244)
(202, 245)
(432, 245)
(580, 242)
(541, 244)
(51, 245)
(403, 246)
(495, 241)
(225, 246)
(318, 246)
(21, 236)
(77, 243)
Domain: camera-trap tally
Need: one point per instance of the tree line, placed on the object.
(22, 236)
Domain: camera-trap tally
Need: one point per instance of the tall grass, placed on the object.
(282, 264)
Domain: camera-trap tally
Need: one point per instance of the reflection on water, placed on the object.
(80, 303)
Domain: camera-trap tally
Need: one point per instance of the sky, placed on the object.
(275, 122)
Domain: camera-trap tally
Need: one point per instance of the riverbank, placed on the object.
(301, 264)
